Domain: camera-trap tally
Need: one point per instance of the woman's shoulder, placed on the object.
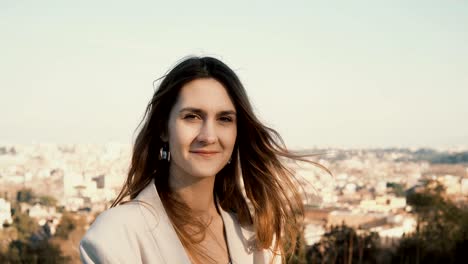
(128, 215)
(109, 223)
(112, 234)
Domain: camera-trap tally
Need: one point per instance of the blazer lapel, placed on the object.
(239, 239)
(164, 234)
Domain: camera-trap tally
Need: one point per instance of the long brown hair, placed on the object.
(256, 167)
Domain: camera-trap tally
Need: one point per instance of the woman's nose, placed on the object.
(207, 133)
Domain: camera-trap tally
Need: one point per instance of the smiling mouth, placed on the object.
(204, 153)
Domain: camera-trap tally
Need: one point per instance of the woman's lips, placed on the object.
(204, 153)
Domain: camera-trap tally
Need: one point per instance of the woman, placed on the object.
(206, 183)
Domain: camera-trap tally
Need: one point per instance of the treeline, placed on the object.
(441, 236)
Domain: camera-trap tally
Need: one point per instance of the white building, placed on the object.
(313, 233)
(452, 184)
(41, 213)
(464, 186)
(383, 204)
(399, 225)
(5, 212)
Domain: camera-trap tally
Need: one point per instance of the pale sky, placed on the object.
(349, 74)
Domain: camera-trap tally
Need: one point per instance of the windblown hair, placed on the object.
(256, 186)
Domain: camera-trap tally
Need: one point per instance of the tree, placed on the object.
(25, 196)
(32, 244)
(298, 256)
(67, 224)
(342, 244)
(397, 188)
(47, 200)
(20, 251)
(25, 225)
(442, 229)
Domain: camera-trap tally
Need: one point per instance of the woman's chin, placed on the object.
(204, 174)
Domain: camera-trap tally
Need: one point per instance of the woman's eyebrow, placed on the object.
(200, 111)
(227, 112)
(192, 109)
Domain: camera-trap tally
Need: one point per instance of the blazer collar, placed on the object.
(239, 239)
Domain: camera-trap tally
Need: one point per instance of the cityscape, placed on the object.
(58, 190)
(372, 90)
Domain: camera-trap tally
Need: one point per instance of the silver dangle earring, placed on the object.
(229, 161)
(164, 153)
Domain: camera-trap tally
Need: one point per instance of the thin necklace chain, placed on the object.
(226, 250)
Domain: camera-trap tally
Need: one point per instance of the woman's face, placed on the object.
(202, 129)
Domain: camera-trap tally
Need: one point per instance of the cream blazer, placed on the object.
(140, 232)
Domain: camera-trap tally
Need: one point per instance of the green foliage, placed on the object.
(441, 236)
(29, 247)
(25, 196)
(397, 188)
(298, 256)
(67, 225)
(21, 251)
(342, 244)
(442, 229)
(11, 256)
(25, 225)
(28, 196)
(48, 201)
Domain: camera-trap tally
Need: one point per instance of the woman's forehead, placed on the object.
(206, 94)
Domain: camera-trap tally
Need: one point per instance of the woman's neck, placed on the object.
(196, 192)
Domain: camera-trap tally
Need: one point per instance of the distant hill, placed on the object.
(403, 155)
(436, 157)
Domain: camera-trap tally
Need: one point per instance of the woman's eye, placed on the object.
(226, 119)
(190, 117)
